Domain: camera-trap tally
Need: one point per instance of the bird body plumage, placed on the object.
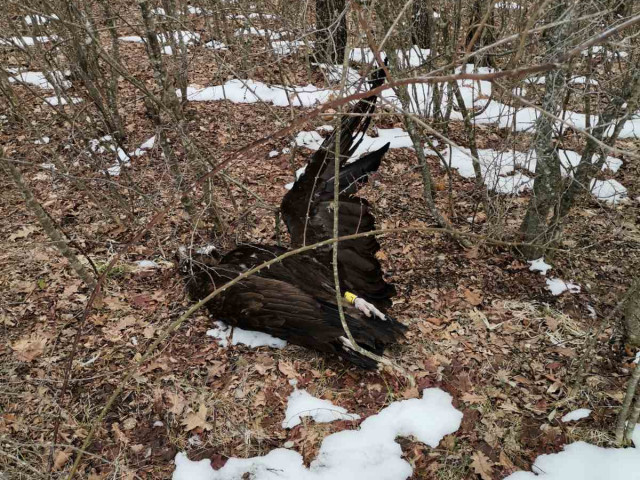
(295, 298)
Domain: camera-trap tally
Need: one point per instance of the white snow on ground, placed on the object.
(581, 80)
(147, 264)
(498, 168)
(335, 72)
(27, 41)
(250, 91)
(599, 50)
(369, 452)
(106, 144)
(131, 39)
(55, 101)
(39, 19)
(610, 191)
(413, 57)
(575, 415)
(583, 461)
(216, 45)
(187, 37)
(302, 404)
(196, 10)
(48, 166)
(286, 47)
(539, 265)
(42, 141)
(146, 145)
(298, 174)
(475, 93)
(557, 286)
(238, 16)
(252, 339)
(273, 153)
(259, 32)
(38, 79)
(508, 5)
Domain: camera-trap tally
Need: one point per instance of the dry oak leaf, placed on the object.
(27, 349)
(197, 419)
(473, 398)
(474, 298)
(177, 402)
(60, 459)
(482, 465)
(287, 368)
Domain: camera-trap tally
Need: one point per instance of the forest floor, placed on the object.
(482, 326)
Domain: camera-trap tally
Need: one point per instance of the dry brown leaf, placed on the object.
(27, 349)
(197, 419)
(473, 398)
(411, 392)
(61, 457)
(482, 465)
(24, 232)
(505, 461)
(435, 321)
(259, 400)
(287, 368)
(473, 298)
(177, 402)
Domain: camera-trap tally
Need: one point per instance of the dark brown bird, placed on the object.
(295, 299)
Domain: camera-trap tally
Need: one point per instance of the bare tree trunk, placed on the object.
(475, 39)
(632, 315)
(546, 187)
(331, 34)
(46, 223)
(423, 23)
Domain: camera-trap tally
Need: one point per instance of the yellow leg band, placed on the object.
(350, 297)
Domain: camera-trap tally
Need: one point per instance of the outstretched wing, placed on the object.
(308, 212)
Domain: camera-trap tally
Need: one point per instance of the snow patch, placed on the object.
(259, 32)
(539, 265)
(557, 286)
(286, 47)
(39, 19)
(302, 404)
(252, 339)
(27, 41)
(216, 45)
(147, 264)
(583, 461)
(250, 91)
(370, 452)
(578, 414)
(38, 79)
(610, 191)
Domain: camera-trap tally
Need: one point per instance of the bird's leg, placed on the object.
(364, 306)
